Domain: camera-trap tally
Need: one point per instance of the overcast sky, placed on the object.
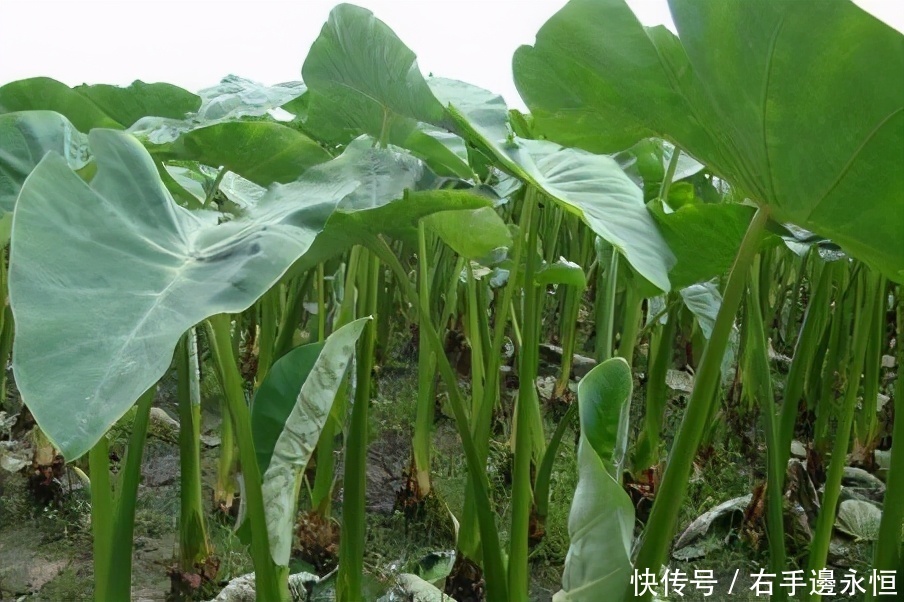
(193, 43)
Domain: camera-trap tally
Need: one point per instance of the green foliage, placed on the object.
(738, 107)
(601, 523)
(756, 120)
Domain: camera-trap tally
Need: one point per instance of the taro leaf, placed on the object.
(362, 78)
(597, 79)
(360, 217)
(299, 433)
(261, 151)
(236, 97)
(101, 105)
(591, 186)
(25, 138)
(435, 566)
(647, 161)
(411, 588)
(601, 522)
(693, 543)
(705, 239)
(277, 396)
(561, 272)
(859, 519)
(443, 151)
(128, 105)
(476, 234)
(192, 181)
(703, 300)
(105, 278)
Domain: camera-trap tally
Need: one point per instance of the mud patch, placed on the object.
(24, 570)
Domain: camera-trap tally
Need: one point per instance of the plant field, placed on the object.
(374, 335)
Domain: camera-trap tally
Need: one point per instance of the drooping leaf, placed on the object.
(561, 272)
(261, 151)
(703, 300)
(475, 234)
(414, 589)
(236, 97)
(601, 522)
(591, 186)
(105, 278)
(597, 79)
(25, 137)
(359, 217)
(705, 239)
(298, 433)
(859, 519)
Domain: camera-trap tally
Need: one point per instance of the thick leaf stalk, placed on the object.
(757, 381)
(194, 545)
(887, 556)
(825, 522)
(270, 584)
(353, 538)
(663, 519)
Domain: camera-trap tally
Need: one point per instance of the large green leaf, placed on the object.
(705, 239)
(592, 186)
(261, 151)
(310, 407)
(356, 219)
(105, 278)
(25, 137)
(101, 105)
(476, 234)
(601, 523)
(362, 78)
(802, 110)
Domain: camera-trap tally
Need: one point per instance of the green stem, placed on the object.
(267, 338)
(663, 519)
(814, 324)
(119, 586)
(194, 545)
(324, 477)
(647, 448)
(544, 472)
(527, 405)
(469, 534)
(351, 544)
(631, 325)
(819, 548)
(212, 192)
(270, 584)
(669, 175)
(758, 384)
(101, 515)
(605, 319)
(475, 341)
(291, 316)
(321, 303)
(493, 564)
(426, 377)
(888, 549)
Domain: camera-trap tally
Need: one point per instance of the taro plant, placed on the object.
(735, 104)
(658, 184)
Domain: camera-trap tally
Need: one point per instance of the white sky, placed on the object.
(193, 43)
